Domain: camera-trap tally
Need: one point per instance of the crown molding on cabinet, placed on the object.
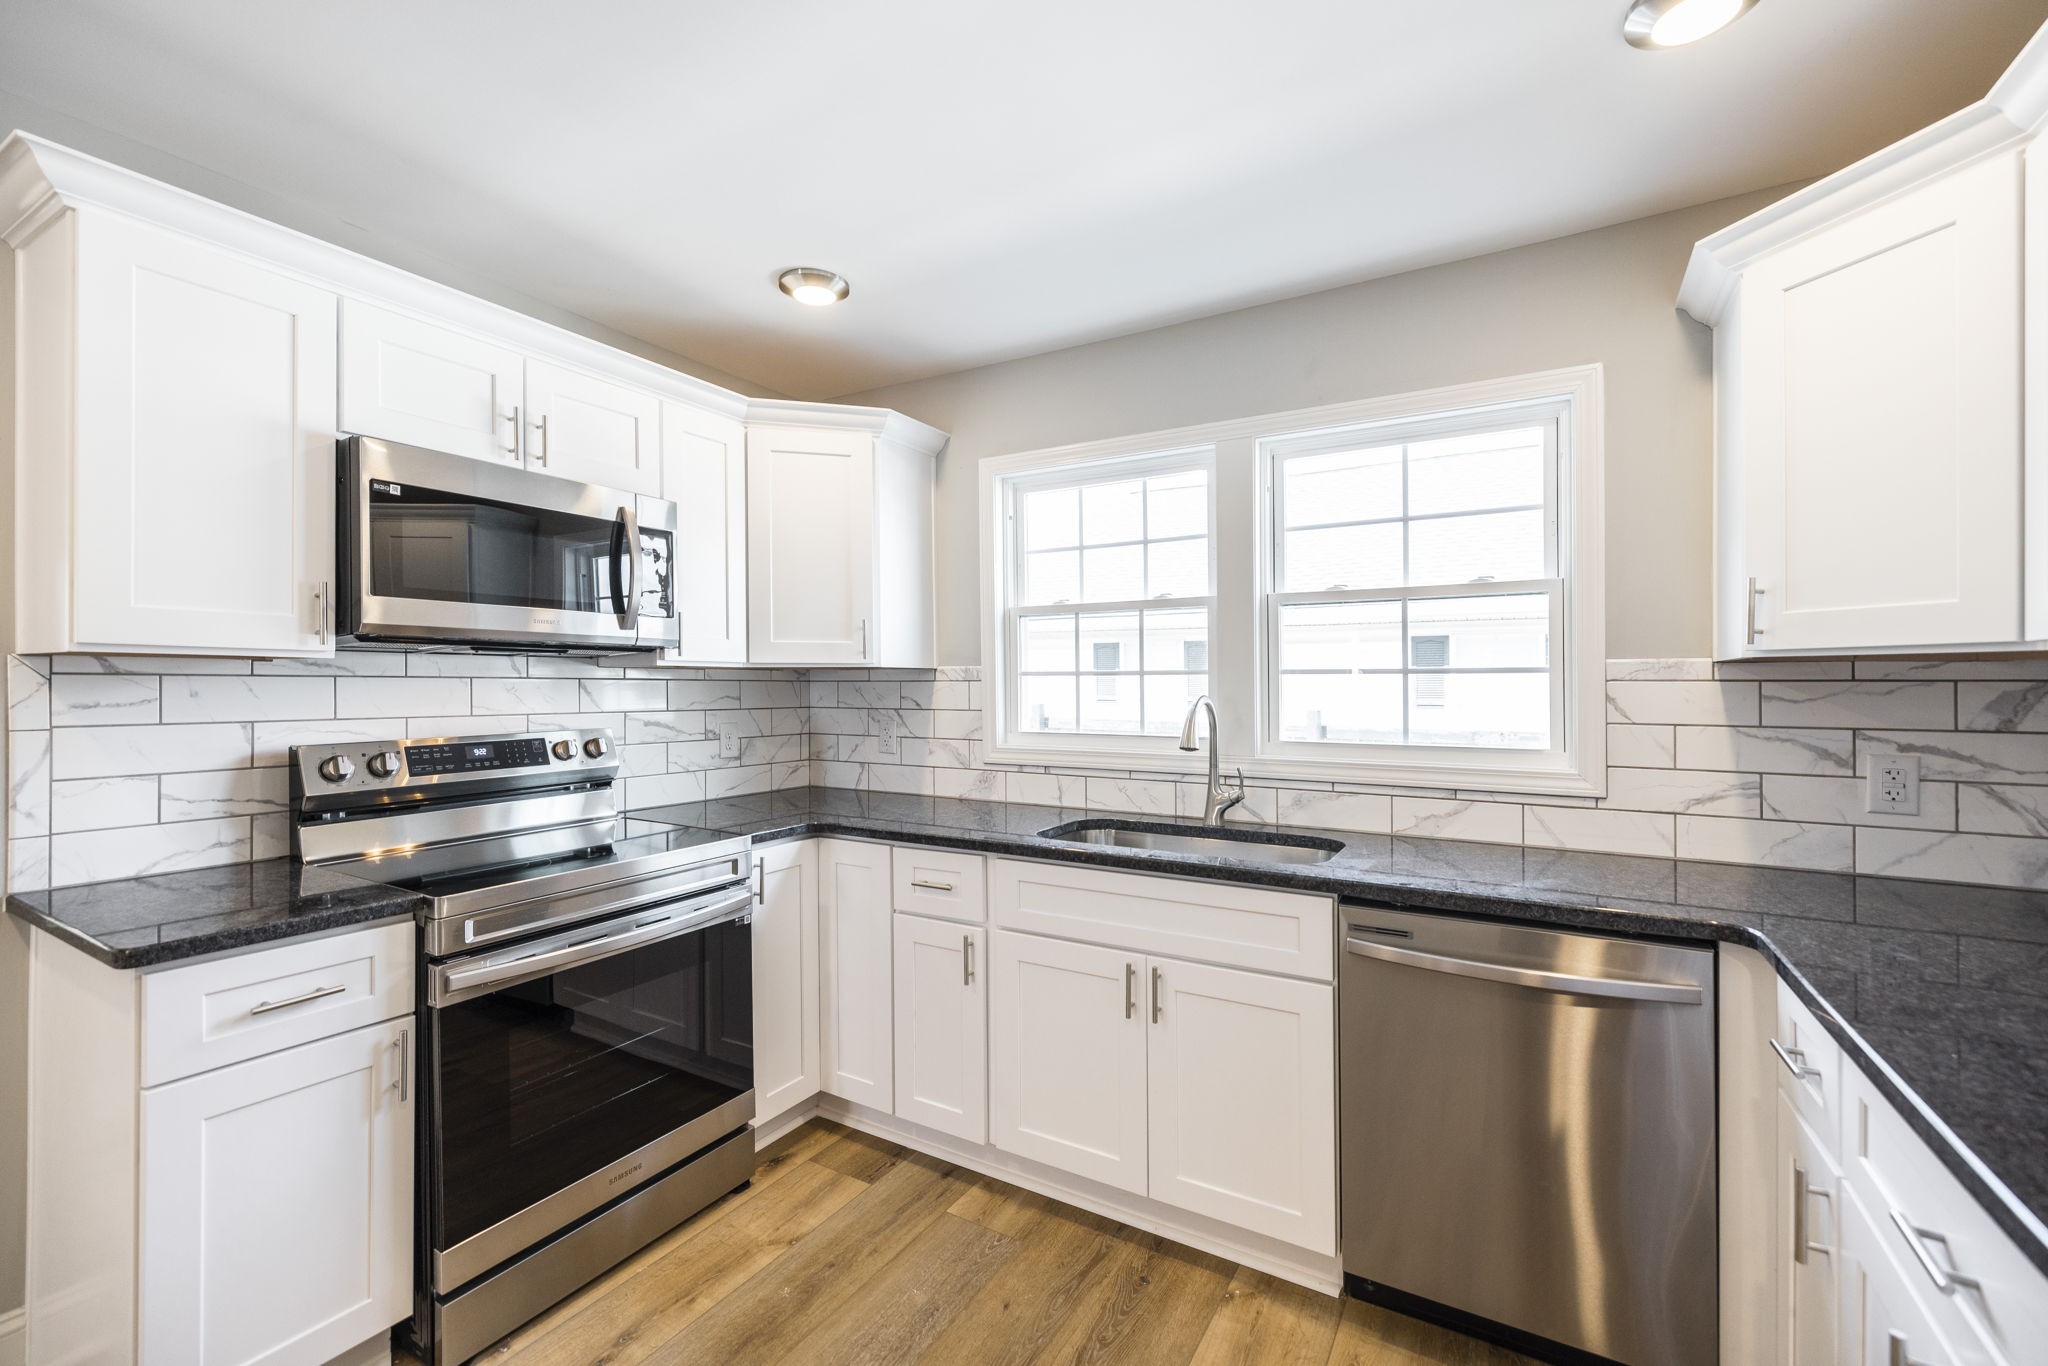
(2015, 107)
(885, 423)
(39, 179)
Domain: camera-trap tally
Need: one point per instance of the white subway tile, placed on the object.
(663, 789)
(2000, 809)
(100, 803)
(274, 739)
(703, 694)
(1984, 668)
(28, 864)
(1601, 831)
(1692, 791)
(438, 665)
(567, 666)
(1965, 757)
(1893, 705)
(1660, 670)
(146, 664)
(1686, 704)
(234, 792)
(1775, 844)
(642, 761)
(771, 692)
(1147, 797)
(662, 727)
(2001, 860)
(142, 850)
(827, 773)
(349, 663)
(28, 784)
(1753, 749)
(108, 751)
(971, 784)
(522, 696)
(103, 700)
(1845, 801)
(434, 727)
(247, 698)
(916, 782)
(373, 697)
(2002, 706)
(623, 694)
(28, 696)
(1642, 746)
(956, 725)
(1438, 818)
(1760, 669)
(1335, 810)
(1048, 789)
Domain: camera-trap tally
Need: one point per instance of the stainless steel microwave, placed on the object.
(443, 549)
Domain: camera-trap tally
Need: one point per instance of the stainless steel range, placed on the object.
(586, 1009)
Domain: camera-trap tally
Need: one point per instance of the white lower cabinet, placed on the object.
(856, 952)
(1810, 1233)
(941, 991)
(1068, 1057)
(785, 943)
(1883, 1321)
(1243, 1124)
(277, 1204)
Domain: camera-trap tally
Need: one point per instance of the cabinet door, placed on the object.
(855, 944)
(1242, 1076)
(704, 473)
(592, 430)
(1809, 1236)
(405, 380)
(277, 1204)
(1880, 436)
(810, 545)
(785, 979)
(1883, 1322)
(942, 1026)
(1067, 1044)
(205, 449)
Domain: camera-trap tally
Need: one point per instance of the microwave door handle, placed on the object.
(626, 569)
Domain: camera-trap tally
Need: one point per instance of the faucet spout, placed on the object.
(1222, 796)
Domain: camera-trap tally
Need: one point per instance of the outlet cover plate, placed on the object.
(1894, 785)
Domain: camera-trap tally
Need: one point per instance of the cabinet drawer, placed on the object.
(1982, 1294)
(1885, 1320)
(941, 882)
(1807, 1062)
(231, 1009)
(1211, 922)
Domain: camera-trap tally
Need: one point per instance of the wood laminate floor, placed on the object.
(849, 1249)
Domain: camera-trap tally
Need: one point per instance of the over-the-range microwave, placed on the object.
(439, 549)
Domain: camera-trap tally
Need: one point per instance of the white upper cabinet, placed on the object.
(704, 473)
(1869, 393)
(177, 486)
(592, 430)
(839, 538)
(412, 382)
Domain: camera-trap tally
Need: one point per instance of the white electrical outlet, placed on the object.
(886, 728)
(728, 739)
(1894, 784)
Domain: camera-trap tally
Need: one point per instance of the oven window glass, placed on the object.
(429, 544)
(545, 1082)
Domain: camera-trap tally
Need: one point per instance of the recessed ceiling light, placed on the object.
(1674, 23)
(810, 285)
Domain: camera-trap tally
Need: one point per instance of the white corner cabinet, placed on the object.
(1838, 1220)
(220, 1154)
(184, 371)
(1881, 450)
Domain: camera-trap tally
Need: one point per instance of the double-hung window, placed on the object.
(1108, 595)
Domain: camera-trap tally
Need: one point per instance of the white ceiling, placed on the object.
(995, 180)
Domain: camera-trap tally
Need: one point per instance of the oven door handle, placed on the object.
(626, 568)
(452, 983)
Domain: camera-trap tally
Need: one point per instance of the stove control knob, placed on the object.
(386, 763)
(596, 747)
(565, 749)
(337, 768)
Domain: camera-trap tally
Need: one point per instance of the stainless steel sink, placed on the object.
(1254, 845)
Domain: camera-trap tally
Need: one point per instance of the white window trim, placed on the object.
(1241, 518)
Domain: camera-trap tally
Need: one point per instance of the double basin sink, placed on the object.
(1254, 846)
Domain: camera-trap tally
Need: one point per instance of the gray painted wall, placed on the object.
(1599, 296)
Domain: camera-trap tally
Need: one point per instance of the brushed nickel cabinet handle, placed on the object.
(1155, 996)
(1917, 1239)
(932, 886)
(1794, 1060)
(1754, 630)
(1130, 990)
(517, 430)
(265, 1007)
(1804, 1192)
(966, 960)
(542, 426)
(404, 1083)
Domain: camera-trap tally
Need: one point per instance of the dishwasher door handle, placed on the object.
(1621, 988)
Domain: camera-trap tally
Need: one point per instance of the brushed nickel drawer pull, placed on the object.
(1130, 990)
(932, 886)
(1917, 1239)
(404, 1082)
(1794, 1060)
(1155, 996)
(966, 960)
(265, 1007)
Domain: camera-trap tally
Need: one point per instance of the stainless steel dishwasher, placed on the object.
(1527, 1126)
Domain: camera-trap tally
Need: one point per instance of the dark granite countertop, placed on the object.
(146, 921)
(1937, 991)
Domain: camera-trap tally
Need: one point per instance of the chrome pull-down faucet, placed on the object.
(1221, 796)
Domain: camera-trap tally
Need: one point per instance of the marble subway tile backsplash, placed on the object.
(123, 766)
(1759, 762)
(120, 767)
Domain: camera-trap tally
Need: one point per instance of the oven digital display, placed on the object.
(475, 756)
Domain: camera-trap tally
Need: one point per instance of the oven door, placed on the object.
(566, 1071)
(439, 547)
